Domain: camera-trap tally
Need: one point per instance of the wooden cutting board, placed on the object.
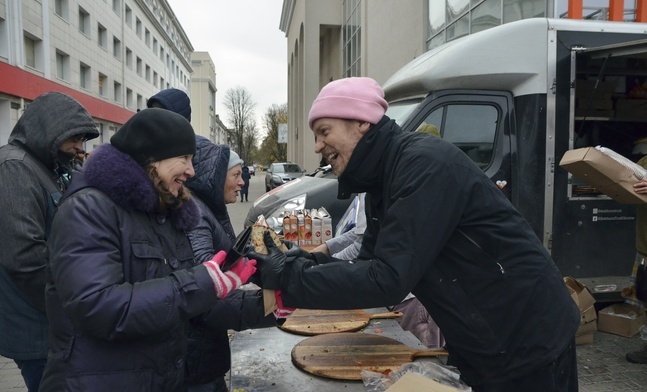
(315, 322)
(343, 356)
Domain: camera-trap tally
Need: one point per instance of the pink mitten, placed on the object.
(225, 282)
(281, 312)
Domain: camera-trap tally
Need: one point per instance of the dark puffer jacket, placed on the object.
(121, 289)
(28, 205)
(209, 352)
(438, 227)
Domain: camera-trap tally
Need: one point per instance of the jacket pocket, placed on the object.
(148, 262)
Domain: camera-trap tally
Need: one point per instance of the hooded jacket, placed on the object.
(209, 351)
(30, 192)
(438, 227)
(123, 283)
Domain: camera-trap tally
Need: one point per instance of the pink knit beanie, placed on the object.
(351, 99)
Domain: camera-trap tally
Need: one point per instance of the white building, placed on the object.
(110, 55)
(203, 99)
(331, 39)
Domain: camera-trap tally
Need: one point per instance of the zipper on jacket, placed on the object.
(501, 269)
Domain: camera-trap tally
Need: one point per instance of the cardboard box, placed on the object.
(585, 303)
(413, 382)
(604, 173)
(580, 294)
(584, 339)
(587, 328)
(621, 319)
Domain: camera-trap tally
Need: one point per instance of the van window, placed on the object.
(400, 111)
(472, 128)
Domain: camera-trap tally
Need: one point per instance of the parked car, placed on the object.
(280, 173)
(252, 171)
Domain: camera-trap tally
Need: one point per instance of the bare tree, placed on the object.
(240, 113)
(271, 150)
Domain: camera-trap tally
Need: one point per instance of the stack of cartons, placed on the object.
(586, 304)
(593, 98)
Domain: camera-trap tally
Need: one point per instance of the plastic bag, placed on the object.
(446, 375)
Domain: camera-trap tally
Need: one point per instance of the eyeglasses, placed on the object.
(80, 138)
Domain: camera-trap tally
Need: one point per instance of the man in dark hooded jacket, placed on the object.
(34, 171)
(439, 228)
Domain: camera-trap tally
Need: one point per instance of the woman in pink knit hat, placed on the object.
(439, 228)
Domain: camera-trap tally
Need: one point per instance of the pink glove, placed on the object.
(224, 282)
(281, 312)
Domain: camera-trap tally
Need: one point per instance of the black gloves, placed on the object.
(295, 251)
(271, 264)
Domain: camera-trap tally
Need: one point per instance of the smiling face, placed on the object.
(335, 140)
(233, 182)
(174, 172)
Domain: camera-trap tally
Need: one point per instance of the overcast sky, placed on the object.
(245, 44)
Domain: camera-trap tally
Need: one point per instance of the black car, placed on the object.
(280, 173)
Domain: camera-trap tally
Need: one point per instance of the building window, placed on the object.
(129, 58)
(161, 53)
(103, 84)
(147, 38)
(140, 102)
(155, 46)
(116, 6)
(140, 67)
(117, 91)
(138, 27)
(61, 9)
(116, 48)
(4, 39)
(102, 36)
(62, 65)
(351, 30)
(161, 83)
(84, 21)
(30, 52)
(129, 98)
(148, 73)
(155, 79)
(129, 17)
(85, 78)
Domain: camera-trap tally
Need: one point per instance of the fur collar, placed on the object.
(127, 184)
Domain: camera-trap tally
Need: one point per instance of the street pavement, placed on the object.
(601, 365)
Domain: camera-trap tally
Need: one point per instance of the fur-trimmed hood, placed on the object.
(127, 184)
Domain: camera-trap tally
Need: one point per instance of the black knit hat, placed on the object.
(172, 99)
(155, 134)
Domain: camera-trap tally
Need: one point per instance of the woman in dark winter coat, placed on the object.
(216, 183)
(244, 191)
(123, 281)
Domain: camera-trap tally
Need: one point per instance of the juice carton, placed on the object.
(301, 225)
(294, 228)
(287, 232)
(307, 230)
(316, 230)
(326, 227)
